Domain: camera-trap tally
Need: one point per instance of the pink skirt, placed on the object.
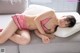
(19, 20)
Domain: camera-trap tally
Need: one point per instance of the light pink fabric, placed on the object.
(20, 21)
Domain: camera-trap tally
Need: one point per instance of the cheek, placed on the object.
(62, 24)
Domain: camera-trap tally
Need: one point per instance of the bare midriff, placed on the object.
(29, 21)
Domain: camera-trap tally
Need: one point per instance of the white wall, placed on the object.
(58, 5)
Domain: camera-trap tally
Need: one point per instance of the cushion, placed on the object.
(61, 32)
(12, 6)
(65, 32)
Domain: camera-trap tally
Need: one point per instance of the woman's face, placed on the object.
(63, 22)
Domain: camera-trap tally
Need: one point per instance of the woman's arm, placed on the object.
(44, 38)
(38, 33)
(48, 14)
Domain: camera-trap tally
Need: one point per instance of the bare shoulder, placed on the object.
(45, 14)
(50, 12)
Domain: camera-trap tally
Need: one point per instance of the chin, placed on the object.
(61, 26)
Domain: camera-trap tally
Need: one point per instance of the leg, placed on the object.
(23, 37)
(8, 31)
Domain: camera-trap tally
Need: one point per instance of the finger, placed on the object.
(47, 41)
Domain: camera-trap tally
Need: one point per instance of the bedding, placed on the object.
(65, 32)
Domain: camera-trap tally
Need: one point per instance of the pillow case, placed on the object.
(12, 6)
(65, 32)
(61, 32)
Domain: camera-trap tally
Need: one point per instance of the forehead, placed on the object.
(65, 18)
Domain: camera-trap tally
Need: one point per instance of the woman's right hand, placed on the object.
(45, 39)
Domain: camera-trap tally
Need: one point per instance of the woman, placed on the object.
(43, 25)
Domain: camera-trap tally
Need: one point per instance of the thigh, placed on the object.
(19, 39)
(9, 30)
(24, 33)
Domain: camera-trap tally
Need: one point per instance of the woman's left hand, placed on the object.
(50, 36)
(45, 39)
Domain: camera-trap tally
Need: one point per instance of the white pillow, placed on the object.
(65, 32)
(61, 32)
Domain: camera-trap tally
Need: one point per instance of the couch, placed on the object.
(69, 44)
